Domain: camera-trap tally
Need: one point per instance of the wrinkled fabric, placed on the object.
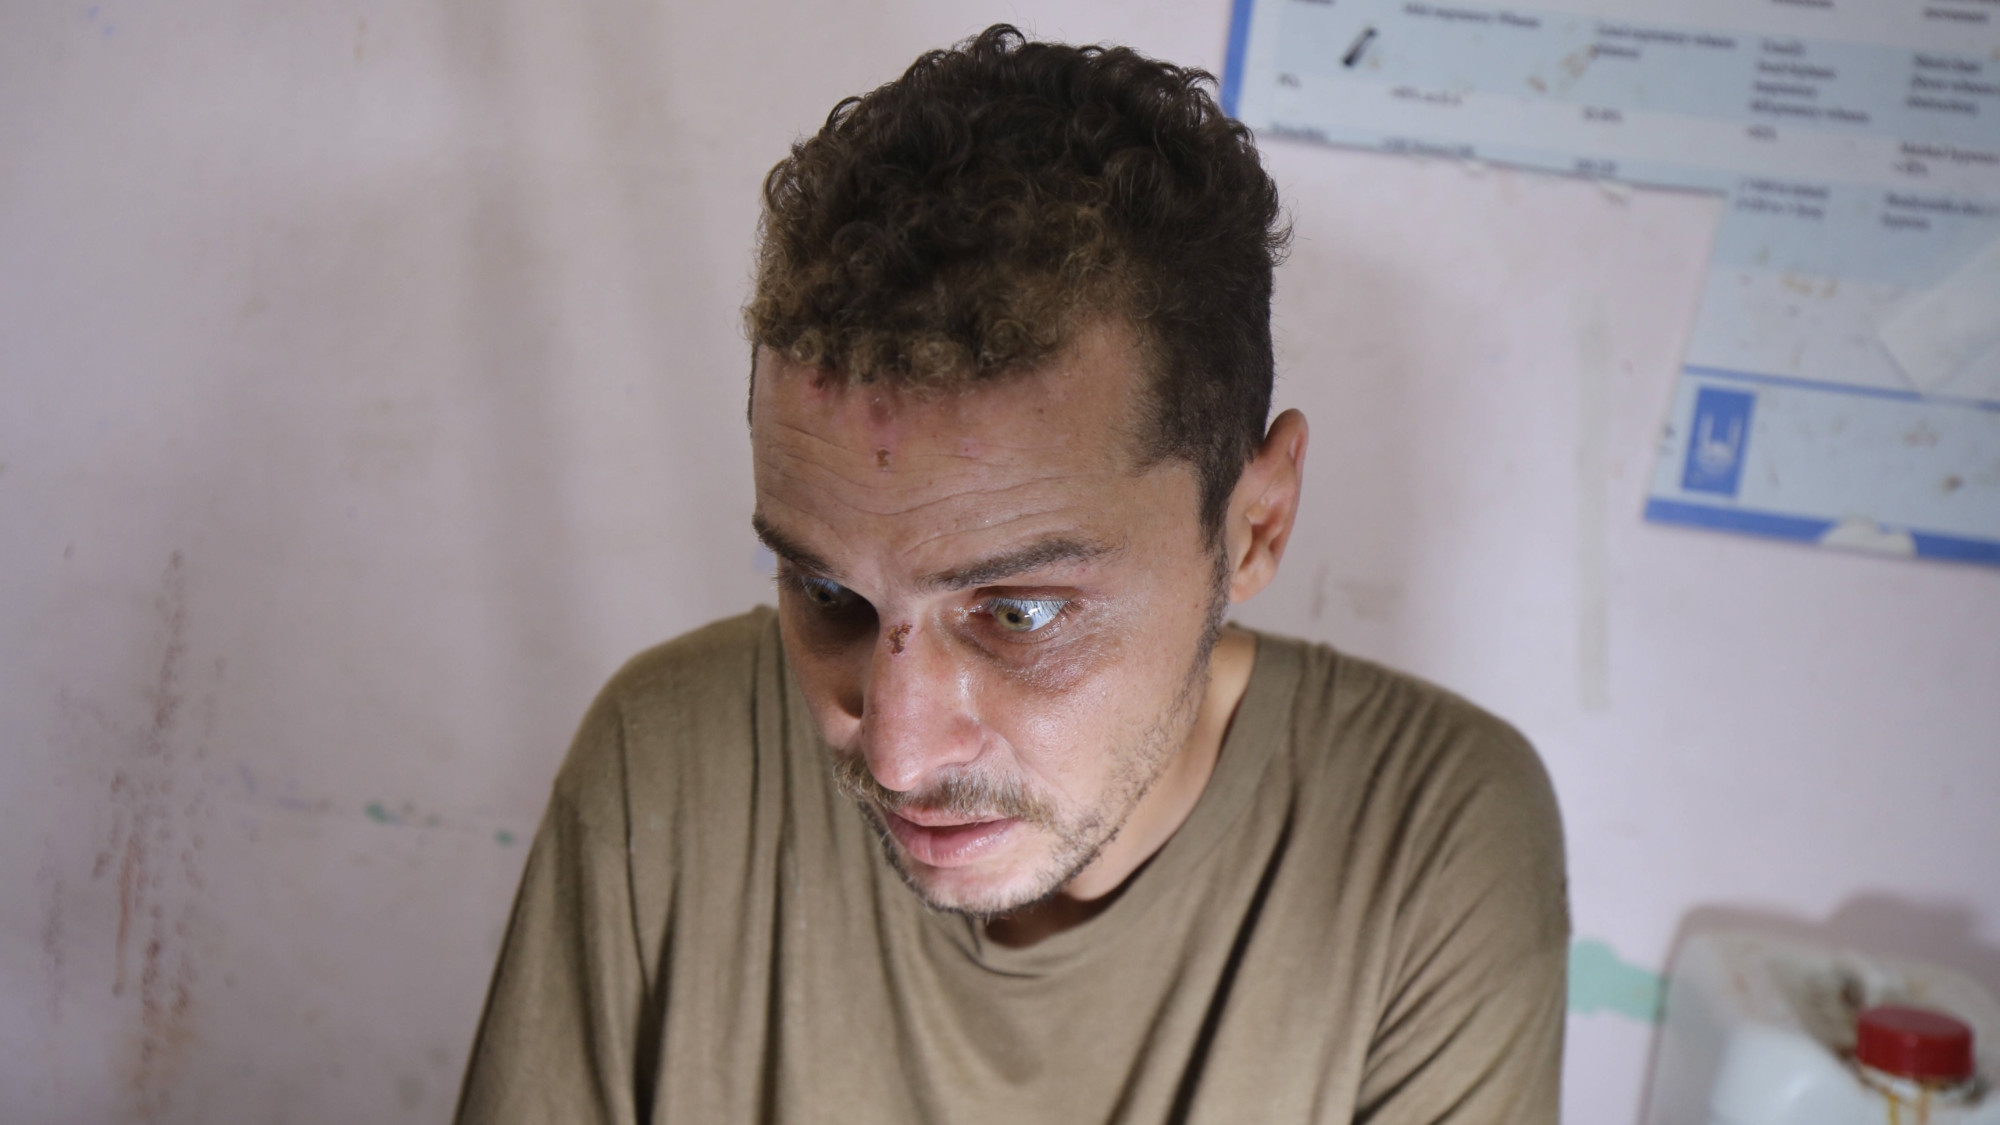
(1362, 920)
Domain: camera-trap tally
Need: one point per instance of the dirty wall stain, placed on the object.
(406, 815)
(52, 886)
(159, 797)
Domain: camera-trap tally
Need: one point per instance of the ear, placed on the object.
(1264, 505)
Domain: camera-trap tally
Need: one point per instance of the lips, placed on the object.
(940, 840)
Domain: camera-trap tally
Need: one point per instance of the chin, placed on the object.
(977, 895)
(1032, 872)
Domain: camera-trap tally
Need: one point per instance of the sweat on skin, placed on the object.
(986, 583)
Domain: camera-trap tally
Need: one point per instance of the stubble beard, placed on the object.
(1079, 839)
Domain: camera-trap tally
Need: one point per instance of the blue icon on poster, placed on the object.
(1721, 429)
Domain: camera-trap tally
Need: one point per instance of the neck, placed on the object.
(1158, 815)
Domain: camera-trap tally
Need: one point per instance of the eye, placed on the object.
(1024, 615)
(824, 593)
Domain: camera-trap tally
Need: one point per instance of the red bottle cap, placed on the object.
(1914, 1043)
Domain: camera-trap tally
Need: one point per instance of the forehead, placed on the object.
(953, 470)
(1077, 410)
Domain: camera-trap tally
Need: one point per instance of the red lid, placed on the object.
(1914, 1043)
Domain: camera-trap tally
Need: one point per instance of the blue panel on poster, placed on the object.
(1719, 436)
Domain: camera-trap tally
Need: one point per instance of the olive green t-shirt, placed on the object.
(1362, 919)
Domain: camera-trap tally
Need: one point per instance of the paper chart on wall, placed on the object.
(1842, 379)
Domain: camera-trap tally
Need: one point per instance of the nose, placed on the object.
(916, 717)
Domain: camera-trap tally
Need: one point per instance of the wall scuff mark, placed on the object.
(155, 844)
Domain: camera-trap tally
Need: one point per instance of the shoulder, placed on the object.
(715, 663)
(1429, 777)
(713, 668)
(654, 718)
(1446, 845)
(1350, 712)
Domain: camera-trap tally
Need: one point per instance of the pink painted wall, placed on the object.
(370, 381)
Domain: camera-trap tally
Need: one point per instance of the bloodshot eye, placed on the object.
(1024, 615)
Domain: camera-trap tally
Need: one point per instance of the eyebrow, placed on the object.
(787, 548)
(1041, 553)
(1034, 556)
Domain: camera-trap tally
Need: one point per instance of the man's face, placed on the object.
(1001, 626)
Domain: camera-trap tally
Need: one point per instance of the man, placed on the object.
(994, 820)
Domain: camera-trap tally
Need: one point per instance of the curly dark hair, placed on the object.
(963, 220)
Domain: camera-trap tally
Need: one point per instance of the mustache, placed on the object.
(955, 794)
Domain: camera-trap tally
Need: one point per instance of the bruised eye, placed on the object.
(825, 594)
(1024, 615)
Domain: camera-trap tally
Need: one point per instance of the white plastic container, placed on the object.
(1761, 1031)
